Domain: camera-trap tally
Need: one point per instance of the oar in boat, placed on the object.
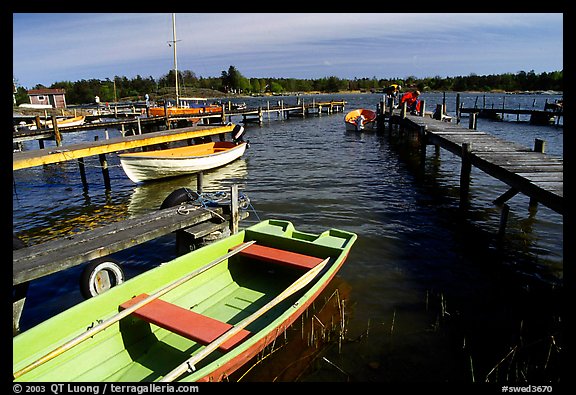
(117, 317)
(300, 283)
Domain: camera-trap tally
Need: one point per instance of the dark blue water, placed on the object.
(435, 294)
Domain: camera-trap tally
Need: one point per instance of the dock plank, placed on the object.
(42, 259)
(44, 156)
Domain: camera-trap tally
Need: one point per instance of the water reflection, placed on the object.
(149, 196)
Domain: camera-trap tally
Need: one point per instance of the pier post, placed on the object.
(423, 143)
(19, 298)
(234, 214)
(465, 172)
(472, 121)
(83, 174)
(381, 116)
(457, 108)
(57, 135)
(503, 220)
(438, 112)
(199, 181)
(104, 165)
(539, 146)
(403, 110)
(260, 116)
(422, 108)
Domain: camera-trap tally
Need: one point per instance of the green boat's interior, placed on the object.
(135, 350)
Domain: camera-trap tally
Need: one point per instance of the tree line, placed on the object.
(233, 82)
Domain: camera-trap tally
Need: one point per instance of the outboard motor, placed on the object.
(359, 122)
(237, 133)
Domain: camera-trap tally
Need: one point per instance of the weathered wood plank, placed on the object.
(44, 156)
(40, 260)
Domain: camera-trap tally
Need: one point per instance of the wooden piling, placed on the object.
(83, 174)
(57, 135)
(465, 172)
(199, 181)
(503, 220)
(457, 108)
(539, 146)
(472, 124)
(234, 213)
(104, 166)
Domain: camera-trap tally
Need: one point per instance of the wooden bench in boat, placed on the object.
(194, 326)
(280, 257)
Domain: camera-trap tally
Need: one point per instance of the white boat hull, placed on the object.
(152, 165)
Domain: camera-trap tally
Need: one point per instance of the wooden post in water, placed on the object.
(503, 220)
(57, 135)
(19, 299)
(104, 165)
(472, 121)
(199, 181)
(539, 146)
(403, 110)
(423, 142)
(83, 174)
(438, 113)
(390, 106)
(234, 214)
(465, 173)
(381, 116)
(457, 108)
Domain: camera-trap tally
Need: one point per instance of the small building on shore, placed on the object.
(55, 98)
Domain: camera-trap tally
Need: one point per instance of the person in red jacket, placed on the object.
(412, 101)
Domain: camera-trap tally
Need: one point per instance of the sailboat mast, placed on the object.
(175, 61)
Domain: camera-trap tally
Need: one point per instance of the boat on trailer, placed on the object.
(199, 317)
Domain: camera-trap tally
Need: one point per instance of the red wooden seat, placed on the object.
(194, 326)
(280, 257)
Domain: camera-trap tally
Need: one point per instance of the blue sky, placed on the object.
(52, 47)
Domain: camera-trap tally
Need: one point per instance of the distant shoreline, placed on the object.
(71, 112)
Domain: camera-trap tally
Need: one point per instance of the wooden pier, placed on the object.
(537, 117)
(190, 223)
(531, 172)
(284, 111)
(551, 114)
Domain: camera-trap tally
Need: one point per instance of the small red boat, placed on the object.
(361, 119)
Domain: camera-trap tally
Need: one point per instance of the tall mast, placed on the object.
(175, 61)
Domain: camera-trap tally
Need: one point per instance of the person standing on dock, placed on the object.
(412, 102)
(393, 91)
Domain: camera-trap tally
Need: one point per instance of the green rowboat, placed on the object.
(198, 317)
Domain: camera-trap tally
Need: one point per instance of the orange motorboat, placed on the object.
(360, 119)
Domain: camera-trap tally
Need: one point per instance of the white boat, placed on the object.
(61, 122)
(66, 122)
(152, 165)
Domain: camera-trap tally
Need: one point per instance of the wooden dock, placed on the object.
(190, 222)
(284, 110)
(537, 117)
(25, 159)
(531, 172)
